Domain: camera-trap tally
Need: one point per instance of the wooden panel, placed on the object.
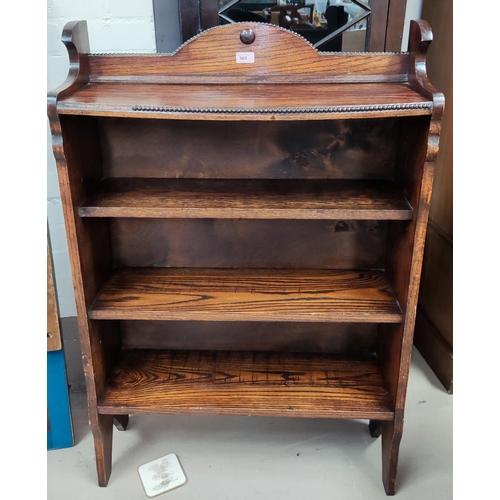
(254, 102)
(419, 140)
(280, 55)
(436, 295)
(77, 153)
(346, 338)
(77, 179)
(189, 18)
(435, 350)
(441, 213)
(54, 342)
(80, 170)
(209, 10)
(440, 70)
(377, 25)
(353, 149)
(250, 199)
(395, 25)
(246, 295)
(236, 383)
(333, 244)
(401, 246)
(434, 326)
(411, 158)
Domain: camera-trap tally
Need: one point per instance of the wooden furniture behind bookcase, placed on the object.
(246, 239)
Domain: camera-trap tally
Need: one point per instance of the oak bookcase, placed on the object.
(246, 237)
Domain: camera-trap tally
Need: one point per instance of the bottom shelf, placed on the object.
(246, 383)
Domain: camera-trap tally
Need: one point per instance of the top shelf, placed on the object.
(246, 102)
(205, 79)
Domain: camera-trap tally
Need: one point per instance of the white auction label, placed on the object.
(245, 57)
(161, 475)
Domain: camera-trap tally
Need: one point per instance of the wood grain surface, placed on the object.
(340, 338)
(54, 342)
(336, 149)
(237, 102)
(245, 383)
(293, 114)
(78, 165)
(280, 55)
(250, 199)
(247, 295)
(247, 243)
(434, 324)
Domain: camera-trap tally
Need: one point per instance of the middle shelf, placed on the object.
(251, 199)
(247, 295)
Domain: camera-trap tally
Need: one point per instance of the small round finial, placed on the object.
(247, 36)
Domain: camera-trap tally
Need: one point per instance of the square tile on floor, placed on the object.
(243, 458)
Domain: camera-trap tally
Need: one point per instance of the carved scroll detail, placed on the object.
(420, 38)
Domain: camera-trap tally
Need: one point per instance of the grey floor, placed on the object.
(268, 458)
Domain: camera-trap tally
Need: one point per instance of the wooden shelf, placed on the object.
(246, 383)
(251, 199)
(249, 102)
(247, 295)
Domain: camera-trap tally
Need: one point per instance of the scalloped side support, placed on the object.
(419, 40)
(75, 38)
(418, 44)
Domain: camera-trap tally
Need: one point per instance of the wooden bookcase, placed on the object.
(246, 238)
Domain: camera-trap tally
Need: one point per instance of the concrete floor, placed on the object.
(240, 458)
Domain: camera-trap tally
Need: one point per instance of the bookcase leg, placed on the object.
(103, 441)
(121, 422)
(375, 428)
(391, 437)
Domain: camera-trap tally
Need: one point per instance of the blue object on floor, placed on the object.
(60, 429)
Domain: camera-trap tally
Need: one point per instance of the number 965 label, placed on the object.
(245, 57)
